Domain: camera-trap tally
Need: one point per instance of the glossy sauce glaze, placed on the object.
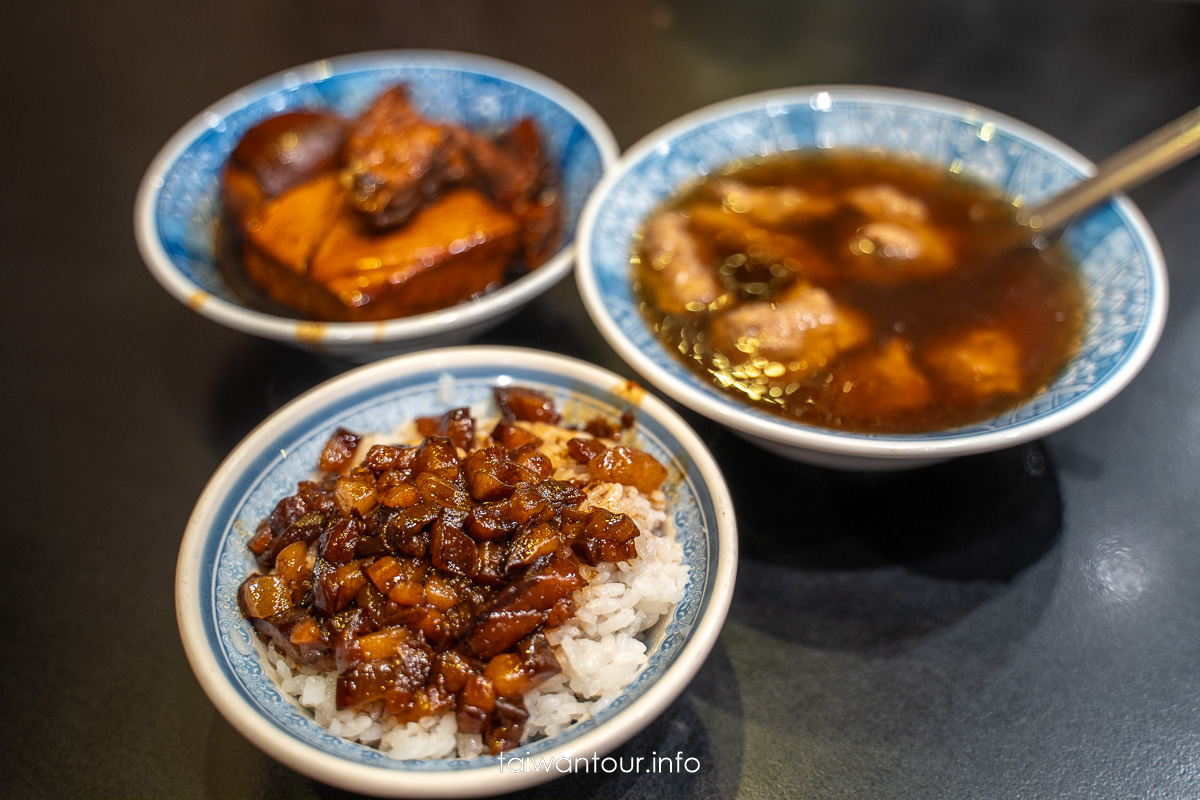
(856, 292)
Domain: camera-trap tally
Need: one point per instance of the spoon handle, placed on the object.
(1169, 145)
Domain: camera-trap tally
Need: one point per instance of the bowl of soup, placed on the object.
(828, 271)
(633, 626)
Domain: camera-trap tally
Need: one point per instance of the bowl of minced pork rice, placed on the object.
(427, 573)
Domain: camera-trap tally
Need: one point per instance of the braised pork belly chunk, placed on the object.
(387, 215)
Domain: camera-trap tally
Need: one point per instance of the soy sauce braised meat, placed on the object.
(427, 575)
(386, 215)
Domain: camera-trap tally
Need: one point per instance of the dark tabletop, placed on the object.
(1024, 624)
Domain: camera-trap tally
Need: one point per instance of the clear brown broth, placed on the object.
(1032, 299)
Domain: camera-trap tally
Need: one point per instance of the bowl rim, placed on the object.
(191, 574)
(310, 332)
(877, 446)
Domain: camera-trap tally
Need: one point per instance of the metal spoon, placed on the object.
(1169, 145)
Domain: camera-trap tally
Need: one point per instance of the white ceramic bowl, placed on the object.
(178, 203)
(213, 560)
(1117, 253)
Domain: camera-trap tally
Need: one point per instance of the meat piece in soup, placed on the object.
(801, 333)
(677, 277)
(891, 253)
(755, 262)
(983, 363)
(882, 382)
(773, 206)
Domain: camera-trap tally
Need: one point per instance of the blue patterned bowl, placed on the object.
(1115, 248)
(213, 560)
(178, 204)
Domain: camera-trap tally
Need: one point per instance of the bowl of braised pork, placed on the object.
(435, 571)
(830, 272)
(375, 203)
